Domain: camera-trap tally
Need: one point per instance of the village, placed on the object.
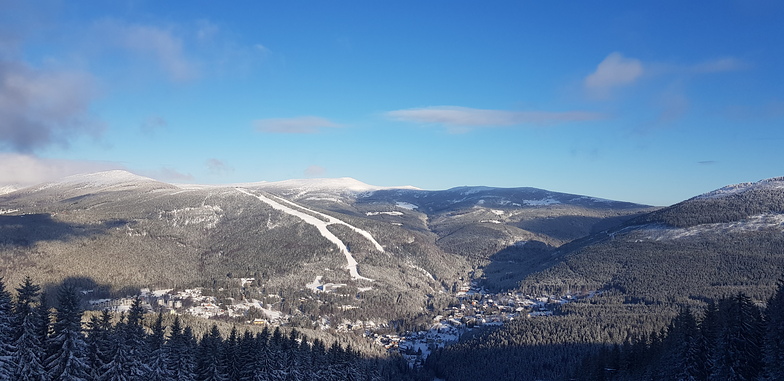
(477, 308)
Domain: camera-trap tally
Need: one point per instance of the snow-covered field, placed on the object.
(322, 228)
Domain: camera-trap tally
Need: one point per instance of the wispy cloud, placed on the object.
(151, 42)
(152, 125)
(297, 125)
(718, 65)
(167, 174)
(461, 119)
(315, 171)
(218, 167)
(613, 72)
(25, 169)
(44, 106)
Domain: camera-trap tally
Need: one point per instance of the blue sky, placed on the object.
(650, 102)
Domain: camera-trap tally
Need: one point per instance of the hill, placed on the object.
(397, 249)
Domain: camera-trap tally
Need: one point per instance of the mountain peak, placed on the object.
(766, 184)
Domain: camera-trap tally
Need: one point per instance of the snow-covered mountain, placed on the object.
(121, 229)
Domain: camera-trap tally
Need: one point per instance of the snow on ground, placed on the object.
(207, 214)
(7, 211)
(428, 274)
(8, 189)
(406, 205)
(322, 228)
(542, 202)
(395, 213)
(774, 183)
(765, 221)
(313, 286)
(107, 179)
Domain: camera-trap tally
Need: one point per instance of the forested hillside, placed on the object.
(38, 343)
(722, 249)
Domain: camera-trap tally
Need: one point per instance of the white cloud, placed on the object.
(26, 170)
(614, 71)
(460, 119)
(166, 174)
(218, 167)
(44, 106)
(315, 171)
(297, 125)
(719, 65)
(152, 42)
(153, 124)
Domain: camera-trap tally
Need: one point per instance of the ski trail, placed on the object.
(333, 220)
(321, 226)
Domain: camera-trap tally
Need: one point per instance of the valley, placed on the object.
(417, 275)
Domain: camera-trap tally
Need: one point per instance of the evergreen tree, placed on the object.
(774, 335)
(119, 364)
(26, 297)
(98, 343)
(246, 355)
(231, 356)
(6, 333)
(209, 361)
(707, 340)
(158, 364)
(30, 354)
(740, 345)
(136, 341)
(67, 361)
(179, 353)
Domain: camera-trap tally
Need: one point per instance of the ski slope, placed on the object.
(322, 228)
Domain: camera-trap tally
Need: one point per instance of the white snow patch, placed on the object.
(322, 228)
(7, 211)
(107, 179)
(765, 221)
(5, 189)
(423, 271)
(205, 214)
(542, 202)
(490, 221)
(406, 205)
(395, 213)
(497, 212)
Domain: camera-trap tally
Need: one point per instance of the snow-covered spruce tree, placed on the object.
(231, 356)
(774, 335)
(29, 355)
(68, 361)
(180, 352)
(118, 366)
(7, 330)
(29, 349)
(98, 343)
(26, 297)
(157, 361)
(209, 359)
(741, 341)
(137, 344)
